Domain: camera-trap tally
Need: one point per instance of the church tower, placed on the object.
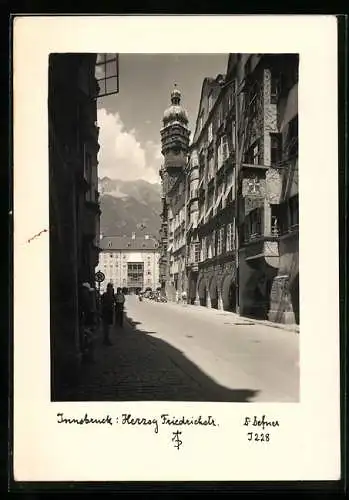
(174, 148)
(174, 141)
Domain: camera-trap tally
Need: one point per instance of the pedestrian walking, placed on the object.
(119, 307)
(107, 303)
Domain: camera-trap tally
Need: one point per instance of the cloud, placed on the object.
(154, 150)
(121, 155)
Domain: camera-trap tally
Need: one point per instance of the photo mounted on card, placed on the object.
(166, 281)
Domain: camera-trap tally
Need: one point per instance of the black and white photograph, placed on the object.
(175, 242)
(174, 227)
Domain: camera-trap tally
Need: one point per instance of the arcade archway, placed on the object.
(192, 288)
(213, 293)
(229, 294)
(203, 292)
(257, 296)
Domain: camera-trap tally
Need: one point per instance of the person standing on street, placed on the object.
(107, 302)
(119, 307)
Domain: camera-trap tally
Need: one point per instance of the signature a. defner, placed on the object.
(37, 235)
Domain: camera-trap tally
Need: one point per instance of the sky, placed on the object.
(130, 121)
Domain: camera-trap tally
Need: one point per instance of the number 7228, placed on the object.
(254, 436)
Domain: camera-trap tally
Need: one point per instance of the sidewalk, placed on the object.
(237, 319)
(136, 367)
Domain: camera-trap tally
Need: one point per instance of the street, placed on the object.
(179, 352)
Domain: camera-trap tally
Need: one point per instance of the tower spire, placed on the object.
(175, 95)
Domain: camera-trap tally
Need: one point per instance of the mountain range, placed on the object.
(129, 206)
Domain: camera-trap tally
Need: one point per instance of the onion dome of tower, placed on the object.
(176, 112)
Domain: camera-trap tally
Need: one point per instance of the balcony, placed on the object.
(289, 231)
(259, 250)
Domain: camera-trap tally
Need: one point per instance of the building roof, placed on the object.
(128, 243)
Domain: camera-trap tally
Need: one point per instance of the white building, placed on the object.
(130, 262)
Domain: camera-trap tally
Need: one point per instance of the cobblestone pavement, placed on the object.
(134, 368)
(170, 352)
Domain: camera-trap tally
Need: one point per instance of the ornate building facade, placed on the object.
(211, 234)
(267, 158)
(131, 263)
(241, 192)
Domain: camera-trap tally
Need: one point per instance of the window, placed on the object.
(210, 168)
(196, 251)
(256, 155)
(254, 185)
(294, 212)
(219, 116)
(87, 165)
(253, 105)
(203, 249)
(201, 120)
(275, 149)
(254, 224)
(225, 151)
(233, 135)
(274, 90)
(275, 227)
(292, 137)
(210, 132)
(220, 240)
(230, 237)
(210, 102)
(135, 271)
